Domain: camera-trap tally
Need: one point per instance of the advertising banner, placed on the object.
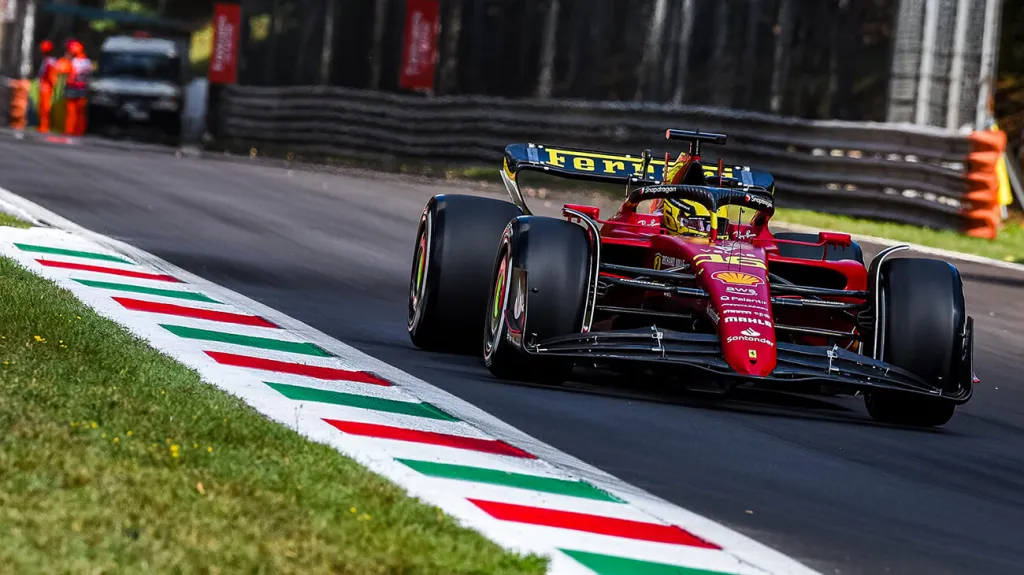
(227, 19)
(419, 54)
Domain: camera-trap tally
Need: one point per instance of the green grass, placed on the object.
(114, 457)
(1008, 245)
(11, 221)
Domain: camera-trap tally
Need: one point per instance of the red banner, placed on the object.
(419, 55)
(227, 19)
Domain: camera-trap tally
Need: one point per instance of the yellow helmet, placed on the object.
(686, 217)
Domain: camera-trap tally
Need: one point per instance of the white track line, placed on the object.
(885, 242)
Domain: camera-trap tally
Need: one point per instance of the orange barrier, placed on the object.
(19, 103)
(981, 211)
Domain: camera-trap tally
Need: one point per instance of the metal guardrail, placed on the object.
(907, 173)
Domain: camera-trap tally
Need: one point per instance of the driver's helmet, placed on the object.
(685, 217)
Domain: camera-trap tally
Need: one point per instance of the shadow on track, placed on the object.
(650, 389)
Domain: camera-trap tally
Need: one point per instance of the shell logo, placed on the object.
(737, 278)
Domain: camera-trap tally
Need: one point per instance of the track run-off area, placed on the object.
(813, 478)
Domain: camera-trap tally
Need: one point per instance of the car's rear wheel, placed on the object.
(538, 290)
(833, 254)
(923, 313)
(451, 270)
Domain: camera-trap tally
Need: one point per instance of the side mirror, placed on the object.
(835, 239)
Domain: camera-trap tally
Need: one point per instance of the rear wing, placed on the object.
(604, 167)
(609, 167)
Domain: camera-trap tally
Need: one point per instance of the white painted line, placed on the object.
(885, 242)
(738, 554)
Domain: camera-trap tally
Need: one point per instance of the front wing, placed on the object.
(796, 363)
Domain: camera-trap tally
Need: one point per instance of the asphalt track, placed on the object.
(813, 478)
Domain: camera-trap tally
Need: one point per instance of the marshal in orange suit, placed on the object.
(53, 73)
(77, 88)
(47, 81)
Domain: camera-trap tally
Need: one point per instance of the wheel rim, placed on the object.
(499, 297)
(418, 275)
(420, 264)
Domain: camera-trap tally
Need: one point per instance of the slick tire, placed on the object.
(923, 312)
(853, 252)
(453, 258)
(551, 294)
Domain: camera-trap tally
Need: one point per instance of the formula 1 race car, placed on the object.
(694, 287)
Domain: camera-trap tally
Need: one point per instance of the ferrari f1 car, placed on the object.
(686, 281)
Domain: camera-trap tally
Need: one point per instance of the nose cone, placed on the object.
(735, 276)
(751, 351)
(741, 304)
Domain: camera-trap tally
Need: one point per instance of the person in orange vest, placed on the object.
(46, 85)
(77, 89)
(59, 71)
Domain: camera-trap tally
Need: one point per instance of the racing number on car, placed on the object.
(701, 259)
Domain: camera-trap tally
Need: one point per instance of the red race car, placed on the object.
(686, 281)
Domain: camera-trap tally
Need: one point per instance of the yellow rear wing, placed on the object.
(597, 166)
(603, 167)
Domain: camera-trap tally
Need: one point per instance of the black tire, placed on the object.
(555, 256)
(460, 234)
(922, 307)
(853, 252)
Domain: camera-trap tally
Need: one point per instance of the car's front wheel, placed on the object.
(538, 291)
(923, 317)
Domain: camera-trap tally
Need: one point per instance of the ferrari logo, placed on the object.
(752, 354)
(737, 278)
(615, 164)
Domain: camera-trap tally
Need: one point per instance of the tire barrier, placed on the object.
(982, 210)
(19, 103)
(903, 173)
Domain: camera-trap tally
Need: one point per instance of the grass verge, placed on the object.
(116, 457)
(1008, 246)
(11, 221)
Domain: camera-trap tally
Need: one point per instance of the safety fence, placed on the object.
(908, 174)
